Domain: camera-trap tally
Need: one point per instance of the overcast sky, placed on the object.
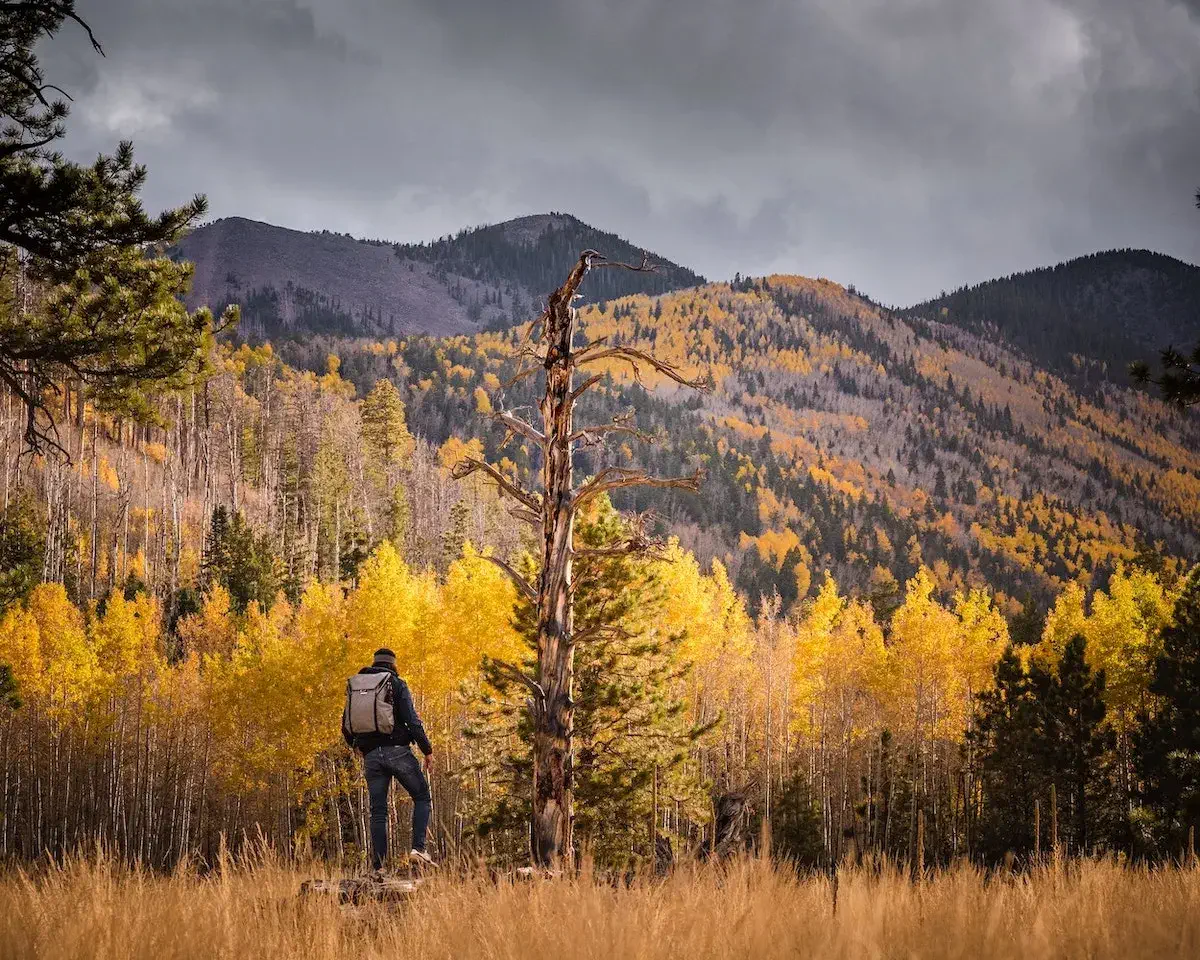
(905, 146)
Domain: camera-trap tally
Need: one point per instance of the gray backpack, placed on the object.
(369, 706)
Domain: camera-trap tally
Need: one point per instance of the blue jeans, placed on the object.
(382, 764)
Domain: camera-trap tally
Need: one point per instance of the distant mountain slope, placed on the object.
(290, 283)
(989, 434)
(841, 436)
(1111, 308)
(538, 251)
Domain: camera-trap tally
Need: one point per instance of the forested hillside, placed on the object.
(842, 437)
(536, 252)
(295, 285)
(1085, 319)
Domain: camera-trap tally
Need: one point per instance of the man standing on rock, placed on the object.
(381, 723)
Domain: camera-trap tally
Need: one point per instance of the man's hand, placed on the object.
(428, 764)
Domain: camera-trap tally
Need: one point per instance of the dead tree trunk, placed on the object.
(553, 813)
(551, 342)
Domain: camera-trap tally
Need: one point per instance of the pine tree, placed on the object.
(1041, 726)
(9, 696)
(796, 828)
(939, 485)
(384, 428)
(241, 561)
(80, 298)
(883, 593)
(398, 516)
(454, 537)
(1078, 745)
(1010, 741)
(216, 546)
(629, 719)
(1167, 745)
(22, 549)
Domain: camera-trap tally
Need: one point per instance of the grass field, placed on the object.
(1093, 910)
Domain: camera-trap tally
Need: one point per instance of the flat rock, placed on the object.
(361, 889)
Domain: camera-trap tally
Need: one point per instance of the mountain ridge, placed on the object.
(298, 283)
(842, 434)
(1112, 306)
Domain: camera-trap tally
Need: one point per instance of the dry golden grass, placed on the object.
(1094, 910)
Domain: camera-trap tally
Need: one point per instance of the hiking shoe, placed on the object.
(421, 858)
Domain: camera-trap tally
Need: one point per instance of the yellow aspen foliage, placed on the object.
(813, 639)
(317, 654)
(483, 403)
(396, 608)
(803, 579)
(21, 650)
(1122, 632)
(274, 700)
(46, 644)
(248, 698)
(1066, 618)
(982, 638)
(127, 637)
(922, 691)
(456, 449)
(178, 693)
(704, 610)
(839, 656)
(476, 618)
(212, 631)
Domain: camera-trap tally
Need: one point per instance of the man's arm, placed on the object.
(406, 712)
(346, 734)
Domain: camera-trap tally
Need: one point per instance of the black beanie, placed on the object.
(385, 657)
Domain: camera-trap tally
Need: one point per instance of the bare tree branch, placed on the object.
(635, 358)
(645, 266)
(614, 478)
(600, 630)
(584, 387)
(464, 468)
(37, 439)
(593, 436)
(519, 376)
(637, 542)
(633, 545)
(516, 425)
(529, 516)
(521, 583)
(592, 344)
(515, 673)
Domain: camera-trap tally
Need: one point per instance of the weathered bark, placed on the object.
(553, 774)
(729, 825)
(551, 701)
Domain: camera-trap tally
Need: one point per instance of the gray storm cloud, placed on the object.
(903, 145)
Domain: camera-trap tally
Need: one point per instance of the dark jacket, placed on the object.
(408, 729)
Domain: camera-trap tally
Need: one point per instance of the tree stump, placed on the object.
(729, 827)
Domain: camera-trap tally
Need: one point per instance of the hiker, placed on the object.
(380, 722)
